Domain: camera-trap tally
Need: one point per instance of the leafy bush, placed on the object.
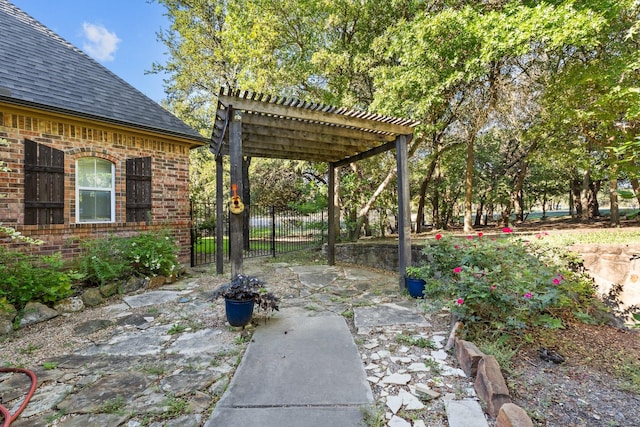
(114, 258)
(505, 283)
(25, 278)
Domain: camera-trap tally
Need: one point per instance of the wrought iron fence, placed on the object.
(271, 231)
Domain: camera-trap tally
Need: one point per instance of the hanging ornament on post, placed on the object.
(235, 204)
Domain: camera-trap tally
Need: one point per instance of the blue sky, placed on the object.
(120, 34)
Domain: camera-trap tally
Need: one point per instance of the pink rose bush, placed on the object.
(504, 283)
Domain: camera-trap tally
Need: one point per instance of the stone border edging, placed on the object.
(490, 385)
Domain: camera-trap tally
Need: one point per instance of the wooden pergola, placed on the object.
(255, 125)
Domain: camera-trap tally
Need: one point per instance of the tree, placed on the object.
(463, 60)
(594, 97)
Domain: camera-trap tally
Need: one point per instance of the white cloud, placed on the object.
(101, 43)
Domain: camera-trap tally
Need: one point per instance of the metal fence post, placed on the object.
(273, 231)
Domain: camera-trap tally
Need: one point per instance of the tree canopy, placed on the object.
(520, 101)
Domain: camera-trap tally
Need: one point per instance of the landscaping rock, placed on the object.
(511, 415)
(69, 305)
(468, 356)
(35, 312)
(131, 285)
(92, 297)
(8, 312)
(5, 327)
(490, 385)
(156, 282)
(109, 290)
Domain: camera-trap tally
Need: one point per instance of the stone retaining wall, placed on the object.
(614, 264)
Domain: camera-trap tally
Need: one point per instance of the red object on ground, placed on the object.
(6, 414)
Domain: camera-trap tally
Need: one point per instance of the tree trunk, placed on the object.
(423, 194)
(517, 197)
(479, 209)
(585, 194)
(635, 184)
(594, 206)
(337, 206)
(468, 185)
(575, 198)
(363, 213)
(614, 218)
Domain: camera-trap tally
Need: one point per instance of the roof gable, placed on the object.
(40, 69)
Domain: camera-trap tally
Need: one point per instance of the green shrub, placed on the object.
(112, 258)
(505, 283)
(25, 278)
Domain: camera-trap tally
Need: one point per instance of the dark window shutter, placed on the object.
(43, 184)
(138, 189)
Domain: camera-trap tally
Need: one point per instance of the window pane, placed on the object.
(95, 205)
(94, 173)
(86, 170)
(103, 174)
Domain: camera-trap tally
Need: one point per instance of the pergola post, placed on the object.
(219, 216)
(236, 240)
(331, 211)
(404, 208)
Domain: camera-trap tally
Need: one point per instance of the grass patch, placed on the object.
(48, 366)
(502, 348)
(373, 417)
(415, 341)
(628, 371)
(609, 236)
(176, 329)
(113, 406)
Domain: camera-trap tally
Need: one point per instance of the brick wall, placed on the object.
(76, 138)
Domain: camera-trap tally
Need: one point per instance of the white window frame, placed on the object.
(111, 190)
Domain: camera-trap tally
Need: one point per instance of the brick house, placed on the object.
(89, 154)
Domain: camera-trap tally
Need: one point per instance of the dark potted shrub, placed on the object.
(240, 296)
(414, 281)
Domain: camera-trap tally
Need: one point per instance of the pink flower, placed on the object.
(480, 234)
(456, 247)
(457, 269)
(460, 301)
(470, 237)
(438, 236)
(493, 287)
(556, 281)
(528, 295)
(507, 230)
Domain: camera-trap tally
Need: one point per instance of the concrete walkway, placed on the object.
(302, 371)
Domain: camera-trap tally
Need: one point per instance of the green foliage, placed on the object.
(176, 328)
(415, 341)
(48, 366)
(113, 258)
(505, 283)
(25, 278)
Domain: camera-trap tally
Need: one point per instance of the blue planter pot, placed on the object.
(415, 287)
(238, 312)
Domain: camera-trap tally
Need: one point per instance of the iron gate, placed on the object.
(271, 231)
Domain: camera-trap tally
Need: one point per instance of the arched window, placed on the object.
(95, 190)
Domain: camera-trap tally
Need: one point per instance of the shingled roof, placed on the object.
(39, 69)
